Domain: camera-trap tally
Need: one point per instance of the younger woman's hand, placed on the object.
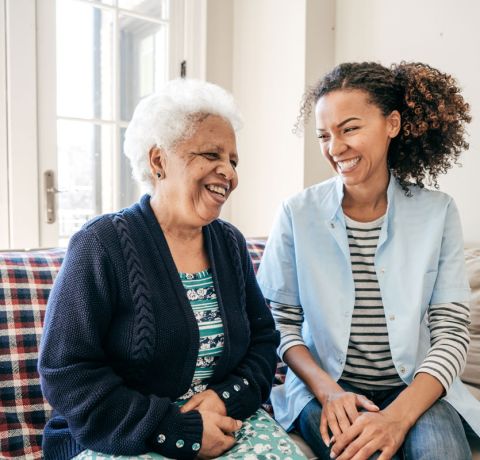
(340, 410)
(218, 434)
(372, 432)
(206, 400)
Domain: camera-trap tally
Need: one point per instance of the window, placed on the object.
(109, 55)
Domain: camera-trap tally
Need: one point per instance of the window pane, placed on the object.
(84, 60)
(82, 150)
(129, 191)
(157, 9)
(143, 61)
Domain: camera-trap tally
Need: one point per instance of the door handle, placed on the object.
(50, 192)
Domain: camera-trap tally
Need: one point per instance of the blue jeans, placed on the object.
(437, 434)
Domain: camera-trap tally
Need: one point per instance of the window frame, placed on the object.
(4, 192)
(20, 90)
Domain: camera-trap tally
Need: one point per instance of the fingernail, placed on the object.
(239, 424)
(332, 454)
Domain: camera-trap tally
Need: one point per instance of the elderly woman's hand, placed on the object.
(218, 434)
(206, 400)
(340, 410)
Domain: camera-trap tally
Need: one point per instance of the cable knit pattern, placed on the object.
(118, 307)
(234, 250)
(144, 330)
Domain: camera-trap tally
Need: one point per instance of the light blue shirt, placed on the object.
(419, 261)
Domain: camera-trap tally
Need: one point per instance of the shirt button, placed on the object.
(402, 370)
(236, 387)
(347, 314)
(391, 317)
(161, 438)
(332, 225)
(180, 443)
(196, 446)
(226, 394)
(383, 270)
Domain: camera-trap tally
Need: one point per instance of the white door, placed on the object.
(95, 61)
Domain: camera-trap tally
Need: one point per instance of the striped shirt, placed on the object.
(369, 362)
(200, 292)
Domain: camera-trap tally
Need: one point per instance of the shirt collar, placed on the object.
(339, 192)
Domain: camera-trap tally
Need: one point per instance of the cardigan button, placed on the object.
(161, 438)
(226, 394)
(196, 446)
(245, 381)
(180, 443)
(236, 387)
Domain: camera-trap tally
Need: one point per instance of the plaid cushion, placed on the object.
(25, 282)
(255, 248)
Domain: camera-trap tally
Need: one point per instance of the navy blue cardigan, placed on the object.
(120, 340)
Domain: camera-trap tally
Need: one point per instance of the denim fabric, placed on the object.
(438, 433)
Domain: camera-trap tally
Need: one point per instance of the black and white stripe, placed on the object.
(447, 356)
(369, 361)
(288, 320)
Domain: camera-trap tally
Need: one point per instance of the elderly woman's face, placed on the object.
(200, 173)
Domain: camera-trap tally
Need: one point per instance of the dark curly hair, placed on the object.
(433, 113)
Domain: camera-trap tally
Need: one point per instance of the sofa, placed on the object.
(26, 278)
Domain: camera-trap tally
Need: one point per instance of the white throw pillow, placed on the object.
(471, 374)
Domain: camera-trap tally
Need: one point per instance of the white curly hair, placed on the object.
(169, 116)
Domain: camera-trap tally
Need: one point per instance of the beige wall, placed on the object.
(276, 49)
(219, 55)
(267, 51)
(442, 33)
(268, 80)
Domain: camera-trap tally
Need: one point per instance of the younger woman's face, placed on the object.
(354, 136)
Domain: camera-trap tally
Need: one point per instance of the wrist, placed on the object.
(400, 416)
(323, 393)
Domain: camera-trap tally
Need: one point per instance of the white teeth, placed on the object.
(348, 163)
(217, 189)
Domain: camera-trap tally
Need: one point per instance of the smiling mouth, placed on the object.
(218, 189)
(347, 164)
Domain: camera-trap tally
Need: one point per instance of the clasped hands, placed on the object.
(218, 429)
(359, 427)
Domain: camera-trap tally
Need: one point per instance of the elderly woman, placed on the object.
(366, 273)
(157, 339)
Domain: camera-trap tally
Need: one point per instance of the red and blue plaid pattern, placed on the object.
(255, 248)
(25, 282)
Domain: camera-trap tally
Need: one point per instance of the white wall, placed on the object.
(268, 80)
(219, 55)
(274, 55)
(268, 51)
(442, 33)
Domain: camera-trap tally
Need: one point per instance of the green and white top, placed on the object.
(203, 299)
